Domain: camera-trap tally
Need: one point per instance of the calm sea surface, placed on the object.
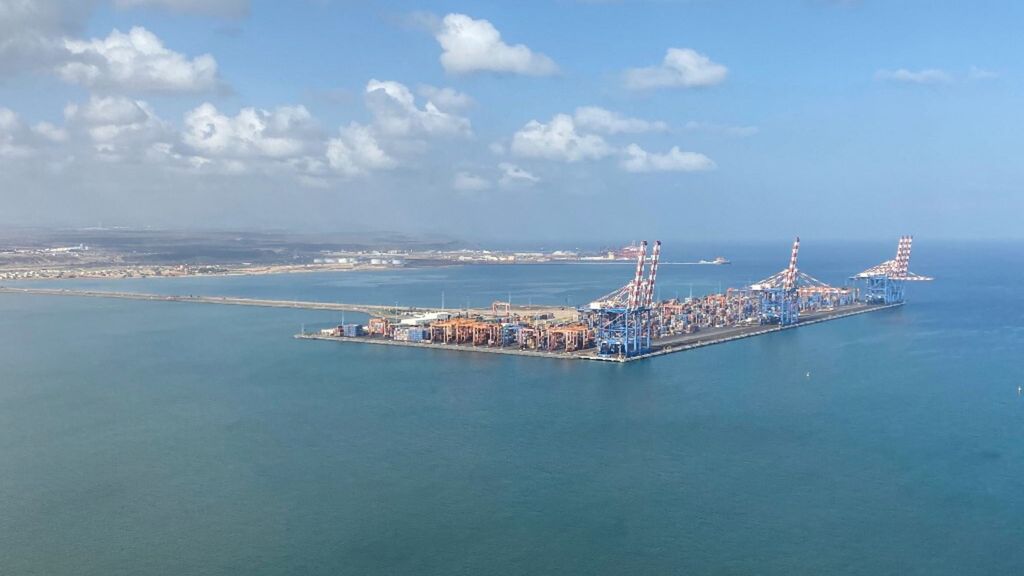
(169, 438)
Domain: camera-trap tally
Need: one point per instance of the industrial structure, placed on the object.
(630, 323)
(777, 293)
(784, 295)
(622, 320)
(885, 283)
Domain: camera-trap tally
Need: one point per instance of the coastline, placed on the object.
(129, 273)
(173, 270)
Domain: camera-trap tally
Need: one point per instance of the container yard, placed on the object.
(629, 324)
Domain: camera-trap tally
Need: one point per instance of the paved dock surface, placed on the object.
(711, 336)
(660, 346)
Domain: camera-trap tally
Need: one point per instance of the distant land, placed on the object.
(133, 253)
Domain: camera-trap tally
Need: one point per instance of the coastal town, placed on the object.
(48, 259)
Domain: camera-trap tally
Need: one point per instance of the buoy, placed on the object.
(808, 373)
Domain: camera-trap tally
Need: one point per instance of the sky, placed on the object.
(541, 120)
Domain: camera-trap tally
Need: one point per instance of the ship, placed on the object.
(718, 261)
(626, 253)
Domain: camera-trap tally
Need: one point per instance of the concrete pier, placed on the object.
(370, 309)
(659, 347)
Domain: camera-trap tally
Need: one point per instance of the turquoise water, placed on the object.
(168, 438)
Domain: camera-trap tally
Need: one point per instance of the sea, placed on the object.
(169, 438)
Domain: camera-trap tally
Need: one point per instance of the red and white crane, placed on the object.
(636, 287)
(899, 267)
(639, 293)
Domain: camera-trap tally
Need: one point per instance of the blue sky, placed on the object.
(682, 120)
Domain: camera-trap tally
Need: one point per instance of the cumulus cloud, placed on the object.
(466, 182)
(19, 140)
(681, 67)
(136, 61)
(447, 99)
(31, 32)
(558, 140)
(926, 76)
(289, 136)
(50, 132)
(11, 130)
(395, 113)
(118, 127)
(37, 35)
(512, 175)
(110, 110)
(600, 120)
(283, 142)
(229, 8)
(356, 152)
(476, 46)
(567, 139)
(284, 132)
(636, 159)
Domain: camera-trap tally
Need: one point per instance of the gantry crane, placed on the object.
(622, 320)
(884, 283)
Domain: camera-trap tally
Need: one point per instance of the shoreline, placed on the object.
(130, 272)
(228, 273)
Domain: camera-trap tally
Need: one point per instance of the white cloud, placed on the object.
(118, 127)
(681, 67)
(608, 122)
(395, 113)
(558, 140)
(466, 182)
(476, 46)
(513, 175)
(8, 120)
(285, 132)
(356, 152)
(675, 160)
(19, 141)
(11, 135)
(726, 129)
(107, 129)
(50, 132)
(30, 31)
(447, 99)
(136, 61)
(934, 76)
(230, 8)
(926, 76)
(111, 110)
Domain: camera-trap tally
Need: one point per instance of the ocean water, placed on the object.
(172, 438)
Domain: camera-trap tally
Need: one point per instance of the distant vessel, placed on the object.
(718, 261)
(626, 253)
